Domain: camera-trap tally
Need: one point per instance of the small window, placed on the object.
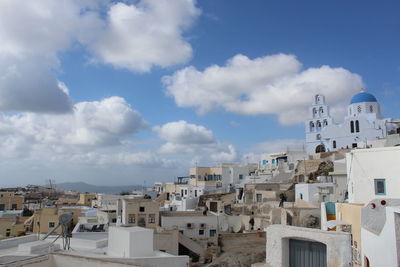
(318, 137)
(52, 224)
(213, 232)
(13, 206)
(301, 196)
(8, 232)
(141, 209)
(357, 127)
(380, 187)
(359, 109)
(241, 176)
(189, 225)
(152, 218)
(195, 193)
(352, 126)
(131, 218)
(201, 232)
(334, 144)
(259, 198)
(185, 192)
(114, 220)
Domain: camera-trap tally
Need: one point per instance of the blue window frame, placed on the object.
(380, 186)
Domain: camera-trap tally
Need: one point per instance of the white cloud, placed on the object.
(34, 32)
(278, 145)
(195, 141)
(182, 132)
(267, 85)
(138, 37)
(272, 146)
(91, 125)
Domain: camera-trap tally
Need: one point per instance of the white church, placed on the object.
(363, 123)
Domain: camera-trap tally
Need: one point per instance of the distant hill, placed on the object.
(84, 187)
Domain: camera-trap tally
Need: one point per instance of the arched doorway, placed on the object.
(320, 149)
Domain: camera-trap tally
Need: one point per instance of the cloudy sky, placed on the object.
(127, 92)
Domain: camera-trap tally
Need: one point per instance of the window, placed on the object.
(201, 232)
(114, 220)
(359, 109)
(318, 137)
(152, 218)
(312, 126)
(321, 110)
(334, 144)
(8, 232)
(131, 218)
(380, 188)
(259, 198)
(352, 126)
(325, 123)
(357, 126)
(241, 176)
(141, 209)
(301, 196)
(52, 224)
(189, 225)
(13, 206)
(185, 192)
(181, 192)
(213, 232)
(195, 193)
(371, 109)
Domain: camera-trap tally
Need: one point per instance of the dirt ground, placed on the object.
(240, 250)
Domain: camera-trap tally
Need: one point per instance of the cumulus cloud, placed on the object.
(90, 125)
(133, 36)
(194, 140)
(274, 84)
(137, 37)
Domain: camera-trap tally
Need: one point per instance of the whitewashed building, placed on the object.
(363, 122)
(373, 173)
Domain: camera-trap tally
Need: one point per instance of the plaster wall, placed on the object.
(181, 222)
(310, 192)
(365, 165)
(383, 249)
(128, 242)
(338, 245)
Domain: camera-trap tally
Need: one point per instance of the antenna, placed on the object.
(64, 220)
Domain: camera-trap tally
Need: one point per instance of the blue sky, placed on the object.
(292, 40)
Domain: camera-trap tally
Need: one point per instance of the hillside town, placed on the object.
(336, 203)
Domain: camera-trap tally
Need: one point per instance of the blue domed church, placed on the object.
(362, 124)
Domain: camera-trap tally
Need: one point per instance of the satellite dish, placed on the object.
(237, 227)
(65, 218)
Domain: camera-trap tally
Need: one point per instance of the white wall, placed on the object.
(383, 249)
(310, 192)
(211, 223)
(365, 165)
(123, 242)
(338, 244)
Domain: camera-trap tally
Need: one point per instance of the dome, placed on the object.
(363, 97)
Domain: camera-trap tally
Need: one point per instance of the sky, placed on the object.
(133, 92)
